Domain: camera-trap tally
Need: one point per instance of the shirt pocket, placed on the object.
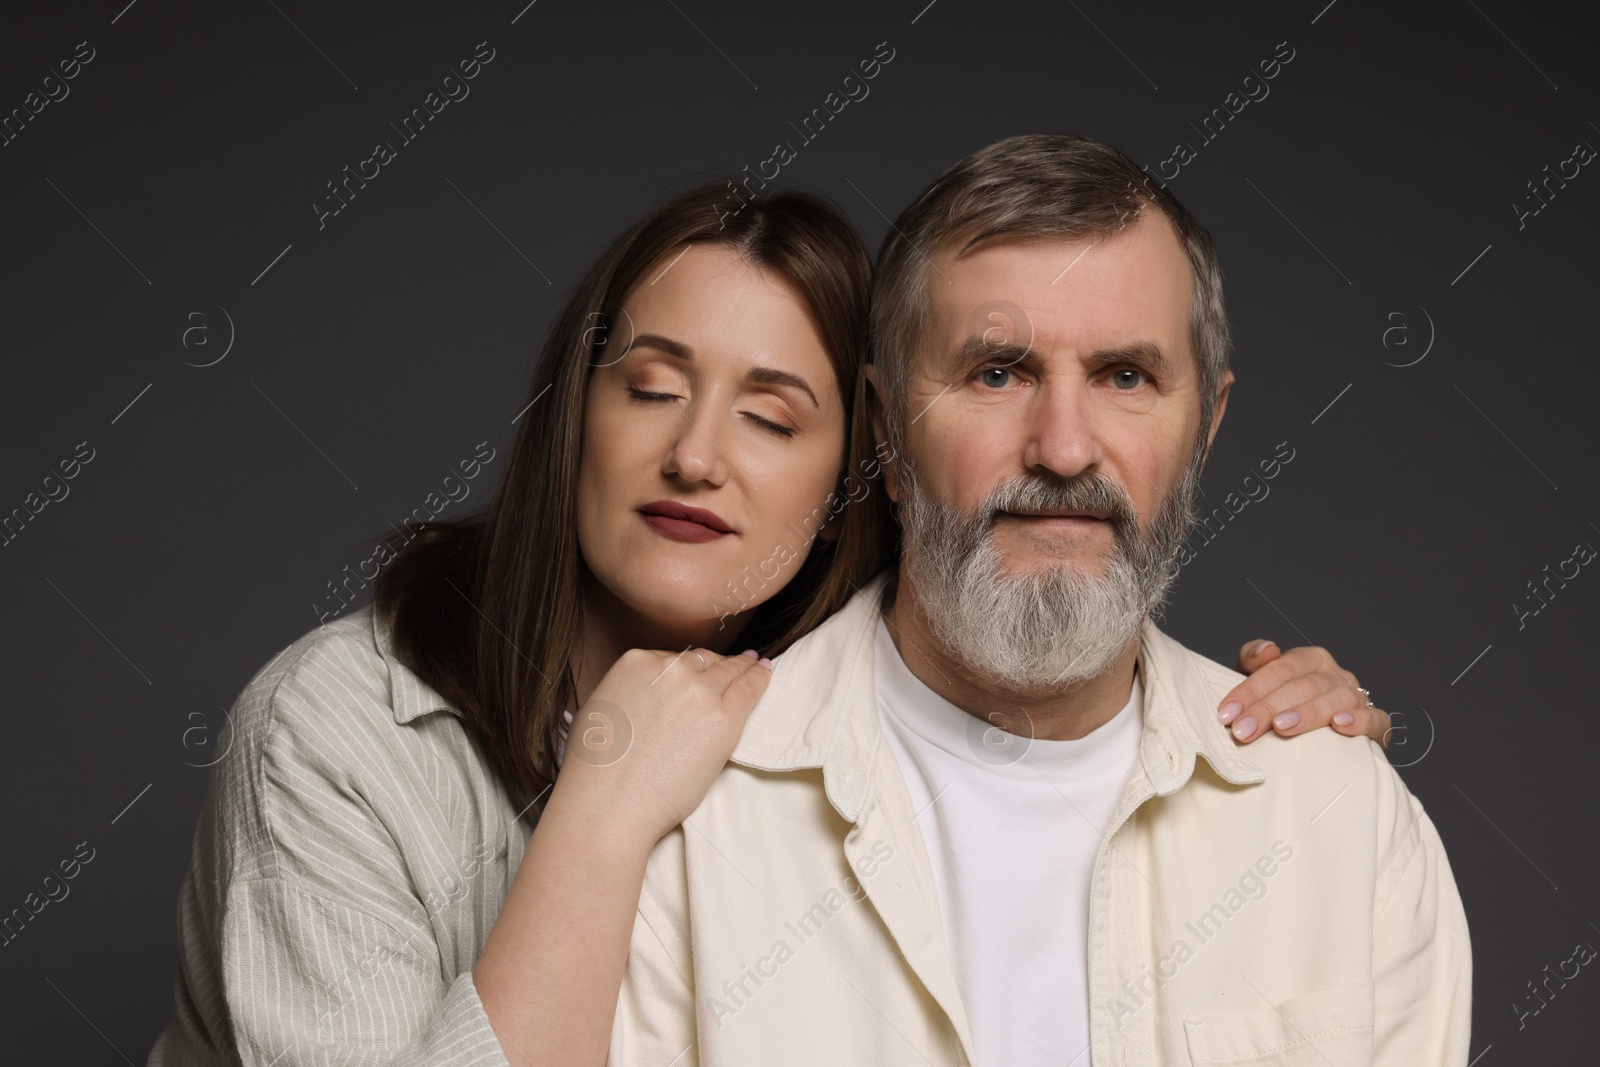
(1329, 1027)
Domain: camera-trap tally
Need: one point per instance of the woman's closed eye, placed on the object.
(766, 424)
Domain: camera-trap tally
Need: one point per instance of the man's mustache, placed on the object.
(1043, 493)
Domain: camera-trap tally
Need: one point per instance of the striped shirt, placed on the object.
(351, 858)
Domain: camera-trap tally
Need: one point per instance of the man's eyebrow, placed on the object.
(758, 375)
(976, 349)
(1143, 354)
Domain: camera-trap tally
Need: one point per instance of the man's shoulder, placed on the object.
(820, 694)
(1203, 683)
(1315, 777)
(1281, 754)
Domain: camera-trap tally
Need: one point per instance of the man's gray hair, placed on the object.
(1035, 185)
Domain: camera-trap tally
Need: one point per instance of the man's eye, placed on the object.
(995, 377)
(1116, 376)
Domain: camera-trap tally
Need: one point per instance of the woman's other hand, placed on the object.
(1291, 692)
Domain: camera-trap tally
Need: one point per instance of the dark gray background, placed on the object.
(375, 353)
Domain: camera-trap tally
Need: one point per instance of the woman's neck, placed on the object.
(608, 628)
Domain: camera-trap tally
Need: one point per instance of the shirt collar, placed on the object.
(409, 695)
(1181, 690)
(820, 709)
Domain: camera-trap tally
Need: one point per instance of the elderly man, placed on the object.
(986, 814)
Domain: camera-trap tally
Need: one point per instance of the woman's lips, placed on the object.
(683, 522)
(681, 529)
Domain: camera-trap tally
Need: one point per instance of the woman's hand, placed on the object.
(1295, 691)
(643, 750)
(641, 754)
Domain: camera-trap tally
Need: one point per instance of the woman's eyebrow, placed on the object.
(665, 344)
(774, 376)
(758, 375)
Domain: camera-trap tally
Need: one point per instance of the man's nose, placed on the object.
(696, 454)
(1060, 435)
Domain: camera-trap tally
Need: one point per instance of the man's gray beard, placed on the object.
(1038, 631)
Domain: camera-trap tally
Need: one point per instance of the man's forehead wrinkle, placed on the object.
(1035, 283)
(1032, 299)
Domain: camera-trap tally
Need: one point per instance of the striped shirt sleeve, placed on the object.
(312, 981)
(350, 860)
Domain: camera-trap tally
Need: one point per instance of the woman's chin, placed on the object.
(694, 606)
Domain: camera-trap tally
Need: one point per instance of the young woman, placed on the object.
(395, 865)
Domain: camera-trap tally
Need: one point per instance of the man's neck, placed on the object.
(1063, 713)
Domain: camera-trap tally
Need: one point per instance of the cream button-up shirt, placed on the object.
(1290, 904)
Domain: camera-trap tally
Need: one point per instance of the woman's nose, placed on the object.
(696, 455)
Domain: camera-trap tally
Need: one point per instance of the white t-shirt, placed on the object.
(1012, 828)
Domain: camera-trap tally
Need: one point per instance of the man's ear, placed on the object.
(880, 435)
(1216, 415)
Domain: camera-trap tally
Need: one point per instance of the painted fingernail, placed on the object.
(1285, 719)
(765, 662)
(752, 653)
(1229, 712)
(1244, 727)
(1344, 718)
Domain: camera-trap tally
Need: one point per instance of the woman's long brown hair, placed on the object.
(486, 608)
